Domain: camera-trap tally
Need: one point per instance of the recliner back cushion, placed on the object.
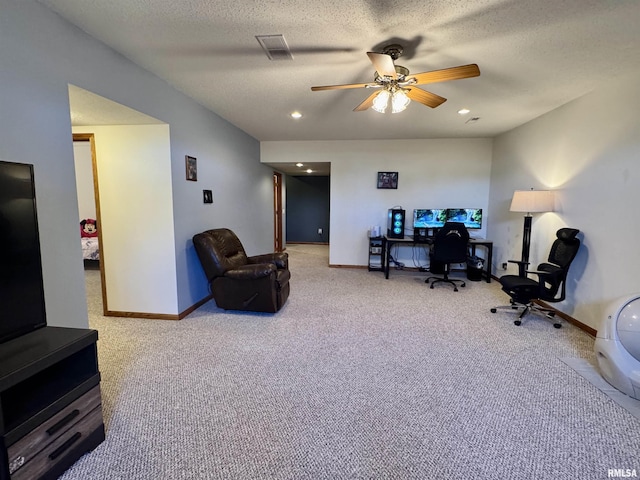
(219, 250)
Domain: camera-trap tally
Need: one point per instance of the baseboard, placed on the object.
(568, 318)
(158, 316)
(307, 243)
(194, 307)
(150, 316)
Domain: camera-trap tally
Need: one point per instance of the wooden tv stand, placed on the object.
(50, 404)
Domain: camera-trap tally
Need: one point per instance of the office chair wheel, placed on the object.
(517, 322)
(557, 325)
(493, 310)
(431, 286)
(463, 284)
(455, 289)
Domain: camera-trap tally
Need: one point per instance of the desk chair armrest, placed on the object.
(540, 273)
(521, 267)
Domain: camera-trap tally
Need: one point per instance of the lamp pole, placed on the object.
(526, 242)
(530, 201)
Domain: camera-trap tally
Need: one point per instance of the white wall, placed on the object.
(431, 174)
(41, 54)
(136, 213)
(84, 180)
(587, 150)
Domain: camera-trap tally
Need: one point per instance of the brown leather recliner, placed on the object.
(259, 283)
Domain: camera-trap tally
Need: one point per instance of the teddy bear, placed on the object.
(88, 228)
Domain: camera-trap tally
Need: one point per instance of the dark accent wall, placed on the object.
(307, 209)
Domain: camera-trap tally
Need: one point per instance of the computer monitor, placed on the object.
(429, 218)
(471, 217)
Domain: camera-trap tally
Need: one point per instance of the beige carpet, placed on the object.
(357, 377)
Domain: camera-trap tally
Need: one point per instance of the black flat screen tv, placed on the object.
(22, 307)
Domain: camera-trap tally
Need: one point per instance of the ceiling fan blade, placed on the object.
(367, 103)
(453, 73)
(383, 64)
(426, 98)
(339, 87)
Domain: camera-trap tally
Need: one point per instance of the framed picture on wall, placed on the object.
(387, 179)
(192, 168)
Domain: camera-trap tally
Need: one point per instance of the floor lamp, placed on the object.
(530, 201)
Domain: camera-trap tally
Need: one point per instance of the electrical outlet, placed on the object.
(319, 231)
(504, 266)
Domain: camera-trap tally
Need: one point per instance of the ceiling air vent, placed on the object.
(275, 46)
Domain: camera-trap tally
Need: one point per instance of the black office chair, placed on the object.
(450, 245)
(550, 282)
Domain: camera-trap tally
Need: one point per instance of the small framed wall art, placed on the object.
(387, 179)
(192, 168)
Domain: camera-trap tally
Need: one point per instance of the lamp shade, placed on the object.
(381, 101)
(399, 101)
(533, 201)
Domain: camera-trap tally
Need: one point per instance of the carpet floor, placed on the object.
(357, 377)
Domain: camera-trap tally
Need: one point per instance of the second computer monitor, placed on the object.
(436, 218)
(471, 217)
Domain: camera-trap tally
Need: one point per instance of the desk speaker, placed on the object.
(395, 223)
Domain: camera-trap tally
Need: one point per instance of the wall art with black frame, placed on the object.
(387, 179)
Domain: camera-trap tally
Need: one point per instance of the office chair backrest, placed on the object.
(563, 251)
(565, 247)
(450, 244)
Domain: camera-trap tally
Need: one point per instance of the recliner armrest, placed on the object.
(251, 271)
(279, 259)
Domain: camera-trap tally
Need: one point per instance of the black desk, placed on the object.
(387, 243)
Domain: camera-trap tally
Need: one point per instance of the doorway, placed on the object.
(277, 213)
(89, 202)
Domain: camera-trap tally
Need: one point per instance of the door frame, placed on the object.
(90, 137)
(278, 244)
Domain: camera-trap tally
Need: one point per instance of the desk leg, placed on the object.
(489, 262)
(385, 257)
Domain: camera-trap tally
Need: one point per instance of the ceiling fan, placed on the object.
(394, 83)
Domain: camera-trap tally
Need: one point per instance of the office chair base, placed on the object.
(448, 280)
(529, 308)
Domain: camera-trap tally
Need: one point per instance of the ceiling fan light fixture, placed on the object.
(399, 101)
(381, 101)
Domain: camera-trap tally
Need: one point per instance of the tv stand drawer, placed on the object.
(56, 430)
(85, 435)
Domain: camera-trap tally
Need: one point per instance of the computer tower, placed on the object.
(395, 223)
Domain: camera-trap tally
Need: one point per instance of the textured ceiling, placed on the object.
(534, 55)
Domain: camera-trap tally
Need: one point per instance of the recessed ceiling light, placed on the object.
(299, 164)
(463, 111)
(296, 115)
